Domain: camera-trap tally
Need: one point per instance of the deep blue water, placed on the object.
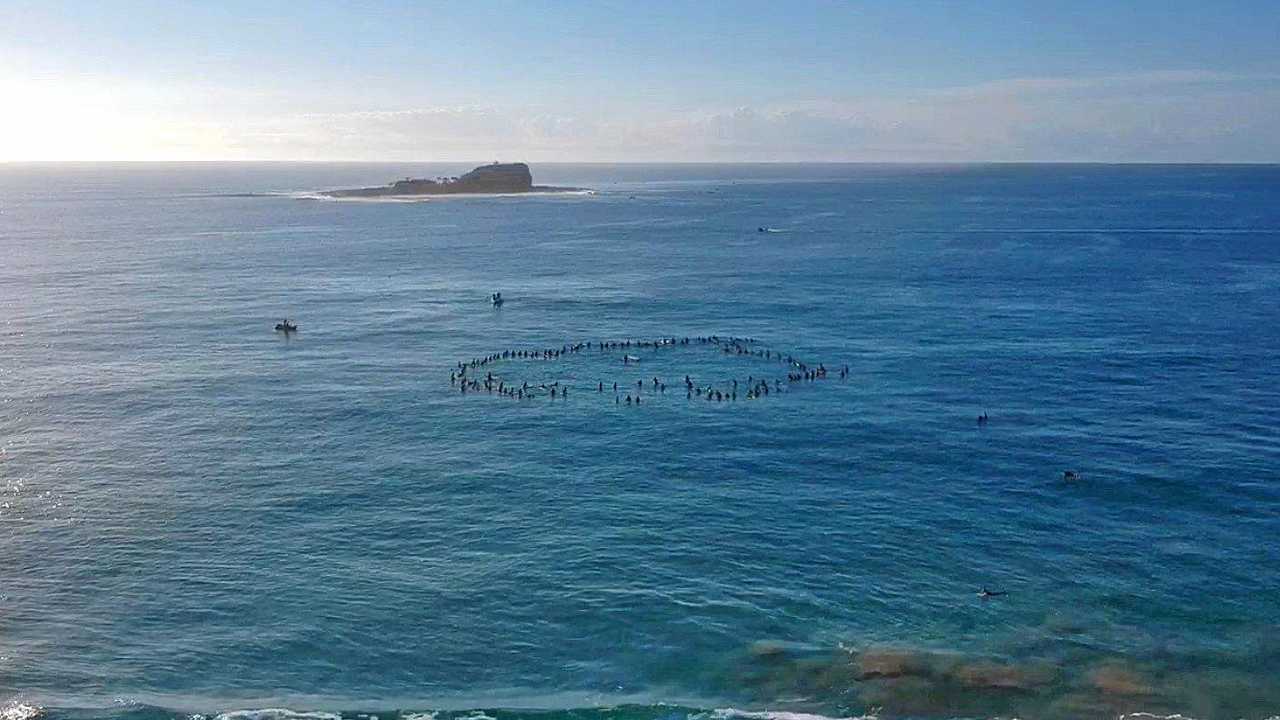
(198, 514)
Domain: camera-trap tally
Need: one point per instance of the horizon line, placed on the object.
(651, 162)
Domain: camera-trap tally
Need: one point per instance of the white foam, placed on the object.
(20, 711)
(277, 714)
(732, 713)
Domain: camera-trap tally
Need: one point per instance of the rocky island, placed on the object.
(488, 179)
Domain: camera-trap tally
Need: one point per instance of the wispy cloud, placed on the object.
(1156, 116)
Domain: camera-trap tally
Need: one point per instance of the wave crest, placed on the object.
(277, 714)
(736, 714)
(20, 711)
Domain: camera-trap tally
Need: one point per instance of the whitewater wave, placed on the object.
(277, 714)
(736, 714)
(20, 711)
(660, 711)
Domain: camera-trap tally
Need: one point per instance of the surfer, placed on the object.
(985, 593)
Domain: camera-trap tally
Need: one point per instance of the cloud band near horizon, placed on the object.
(1148, 117)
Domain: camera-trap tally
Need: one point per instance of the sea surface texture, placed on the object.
(201, 515)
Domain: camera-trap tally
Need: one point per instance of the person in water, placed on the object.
(985, 593)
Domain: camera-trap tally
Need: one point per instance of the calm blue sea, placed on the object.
(199, 515)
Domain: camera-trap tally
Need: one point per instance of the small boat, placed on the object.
(286, 327)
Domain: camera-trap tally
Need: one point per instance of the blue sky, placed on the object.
(661, 81)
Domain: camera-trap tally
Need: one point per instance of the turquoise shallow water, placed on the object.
(199, 515)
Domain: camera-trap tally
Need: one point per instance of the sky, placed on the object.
(651, 81)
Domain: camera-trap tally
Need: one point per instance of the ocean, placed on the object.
(201, 516)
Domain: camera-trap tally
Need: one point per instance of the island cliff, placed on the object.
(495, 178)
